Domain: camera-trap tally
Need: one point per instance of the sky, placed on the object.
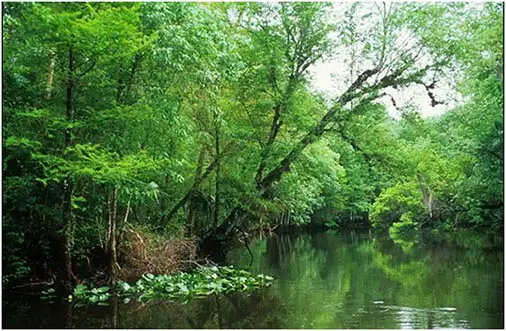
(324, 79)
(328, 76)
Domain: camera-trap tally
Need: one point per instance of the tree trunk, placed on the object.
(426, 193)
(275, 127)
(192, 210)
(121, 225)
(238, 214)
(188, 194)
(313, 135)
(120, 86)
(277, 122)
(217, 181)
(135, 66)
(111, 247)
(68, 276)
(354, 91)
(50, 77)
(164, 200)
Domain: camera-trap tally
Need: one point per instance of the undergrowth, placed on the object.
(144, 252)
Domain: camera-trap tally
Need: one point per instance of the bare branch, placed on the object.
(429, 88)
(88, 69)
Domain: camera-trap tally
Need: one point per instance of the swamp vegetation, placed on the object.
(144, 143)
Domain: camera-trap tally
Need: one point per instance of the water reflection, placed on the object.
(323, 280)
(359, 281)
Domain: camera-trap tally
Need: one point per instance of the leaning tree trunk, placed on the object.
(281, 107)
(217, 182)
(192, 210)
(355, 91)
(210, 168)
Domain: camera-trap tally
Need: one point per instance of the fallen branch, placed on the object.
(34, 284)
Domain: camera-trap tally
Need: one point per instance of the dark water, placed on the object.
(323, 280)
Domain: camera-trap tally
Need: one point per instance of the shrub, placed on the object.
(406, 227)
(394, 202)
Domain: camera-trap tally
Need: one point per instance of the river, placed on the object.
(343, 280)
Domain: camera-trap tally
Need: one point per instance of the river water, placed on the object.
(342, 280)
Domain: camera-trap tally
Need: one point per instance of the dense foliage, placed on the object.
(200, 120)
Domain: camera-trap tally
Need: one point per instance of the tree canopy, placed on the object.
(201, 119)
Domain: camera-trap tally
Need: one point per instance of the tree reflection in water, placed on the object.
(322, 280)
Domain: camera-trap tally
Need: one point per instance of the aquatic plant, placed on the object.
(83, 295)
(181, 286)
(186, 286)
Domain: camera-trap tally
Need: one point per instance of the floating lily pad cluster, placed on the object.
(181, 287)
(99, 295)
(186, 286)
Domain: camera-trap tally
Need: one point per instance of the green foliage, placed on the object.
(187, 286)
(400, 203)
(147, 99)
(181, 286)
(404, 232)
(16, 268)
(84, 295)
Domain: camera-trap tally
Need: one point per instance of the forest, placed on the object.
(139, 137)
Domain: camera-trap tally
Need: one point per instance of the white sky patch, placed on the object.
(331, 76)
(323, 80)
